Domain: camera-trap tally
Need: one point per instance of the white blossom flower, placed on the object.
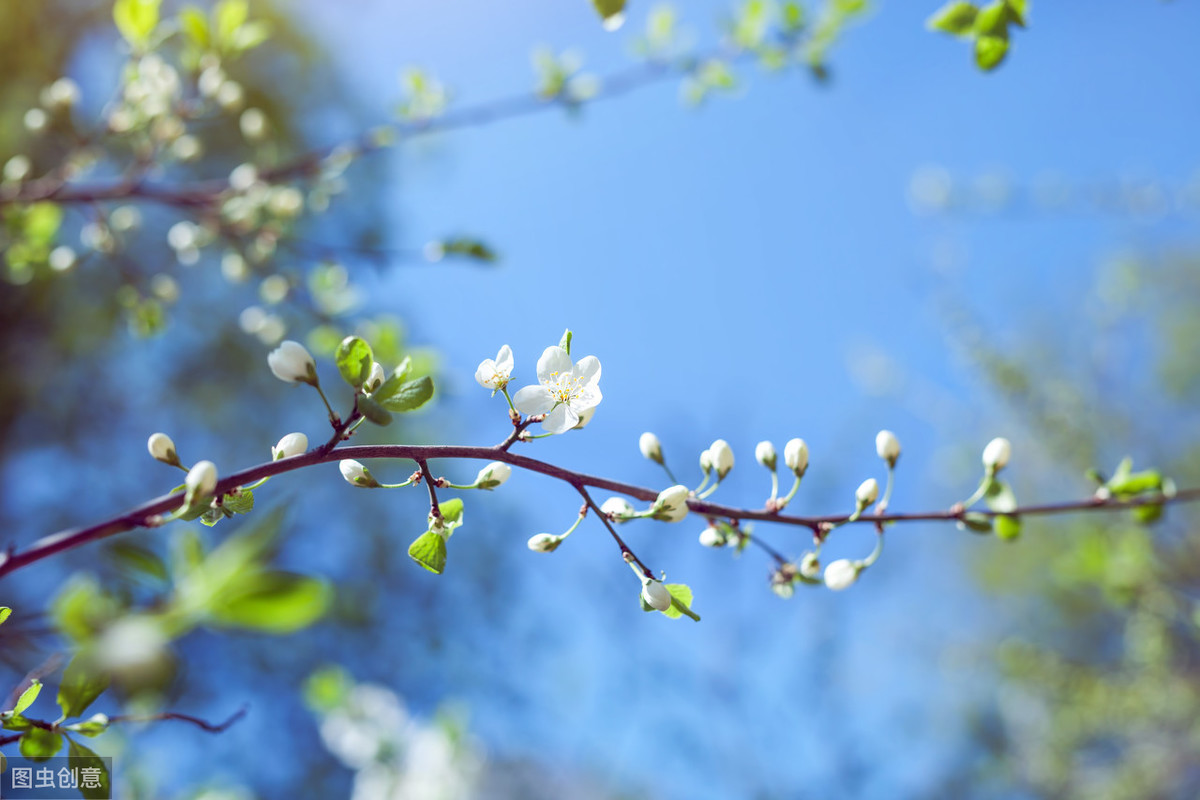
(356, 474)
(795, 455)
(291, 362)
(584, 419)
(617, 507)
(493, 475)
(293, 444)
(564, 390)
(842, 574)
(655, 594)
(375, 379)
(722, 457)
(651, 447)
(866, 493)
(996, 454)
(887, 446)
(711, 537)
(201, 479)
(544, 542)
(495, 373)
(162, 448)
(671, 504)
(764, 453)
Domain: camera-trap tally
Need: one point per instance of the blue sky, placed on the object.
(742, 270)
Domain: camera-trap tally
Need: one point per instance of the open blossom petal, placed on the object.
(533, 400)
(565, 391)
(495, 373)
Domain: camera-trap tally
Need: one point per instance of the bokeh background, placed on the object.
(910, 244)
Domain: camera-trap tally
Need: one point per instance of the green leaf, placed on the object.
(1008, 527)
(1134, 483)
(327, 689)
(194, 25)
(251, 35)
(16, 722)
(975, 522)
(228, 16)
(38, 744)
(451, 509)
(410, 395)
(429, 550)
(793, 17)
(84, 758)
(956, 17)
(5, 611)
(992, 20)
(1000, 497)
(609, 9)
(27, 697)
(1017, 11)
(240, 502)
(990, 51)
(82, 608)
(81, 684)
(374, 411)
(354, 360)
(1148, 513)
(136, 20)
(394, 381)
(565, 341)
(94, 725)
(272, 602)
(681, 601)
(136, 559)
(468, 248)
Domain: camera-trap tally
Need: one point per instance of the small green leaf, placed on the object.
(956, 17)
(451, 509)
(394, 381)
(139, 560)
(327, 688)
(1000, 497)
(27, 697)
(429, 550)
(990, 51)
(272, 602)
(5, 611)
(473, 249)
(975, 522)
(992, 20)
(565, 341)
(194, 25)
(81, 684)
(251, 35)
(228, 16)
(1008, 527)
(410, 395)
(94, 725)
(1148, 513)
(374, 411)
(1134, 483)
(793, 17)
(609, 10)
(681, 601)
(84, 758)
(136, 20)
(239, 502)
(1017, 11)
(15, 722)
(354, 360)
(38, 744)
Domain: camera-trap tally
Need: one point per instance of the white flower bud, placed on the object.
(201, 479)
(357, 475)
(376, 378)
(795, 455)
(655, 594)
(810, 565)
(842, 574)
(493, 475)
(764, 453)
(671, 504)
(887, 446)
(706, 462)
(651, 447)
(60, 95)
(711, 537)
(996, 454)
(163, 449)
(722, 457)
(617, 507)
(544, 542)
(291, 362)
(293, 444)
(866, 493)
